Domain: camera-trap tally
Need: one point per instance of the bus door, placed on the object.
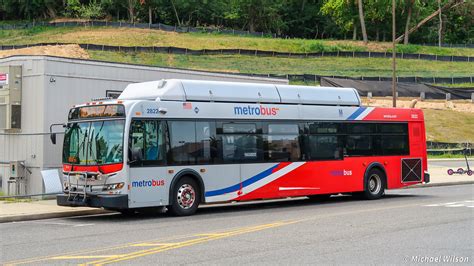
(240, 148)
(149, 179)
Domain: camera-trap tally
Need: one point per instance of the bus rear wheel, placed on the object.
(185, 198)
(374, 184)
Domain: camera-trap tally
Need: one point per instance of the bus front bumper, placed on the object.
(98, 201)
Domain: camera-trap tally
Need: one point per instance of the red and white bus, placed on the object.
(181, 143)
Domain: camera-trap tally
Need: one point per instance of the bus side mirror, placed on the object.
(52, 136)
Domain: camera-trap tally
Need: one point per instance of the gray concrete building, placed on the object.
(37, 91)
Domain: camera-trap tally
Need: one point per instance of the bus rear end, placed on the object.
(93, 157)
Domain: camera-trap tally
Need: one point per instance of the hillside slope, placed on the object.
(368, 67)
(147, 37)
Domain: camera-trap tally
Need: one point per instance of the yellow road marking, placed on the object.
(44, 258)
(203, 239)
(85, 257)
(221, 234)
(154, 244)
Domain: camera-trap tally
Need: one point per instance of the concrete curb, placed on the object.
(41, 216)
(454, 183)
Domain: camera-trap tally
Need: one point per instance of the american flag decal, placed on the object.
(187, 106)
(3, 77)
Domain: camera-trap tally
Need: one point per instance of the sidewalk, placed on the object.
(45, 209)
(440, 177)
(42, 209)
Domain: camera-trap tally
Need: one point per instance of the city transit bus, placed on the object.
(182, 143)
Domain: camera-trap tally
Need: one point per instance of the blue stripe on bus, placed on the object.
(247, 182)
(356, 113)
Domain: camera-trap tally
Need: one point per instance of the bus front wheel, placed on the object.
(374, 184)
(186, 197)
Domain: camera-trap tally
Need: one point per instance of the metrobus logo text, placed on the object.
(148, 183)
(259, 110)
(341, 172)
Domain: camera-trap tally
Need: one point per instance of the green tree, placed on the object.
(37, 9)
(360, 7)
(344, 13)
(150, 6)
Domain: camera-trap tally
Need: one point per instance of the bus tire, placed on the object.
(186, 197)
(374, 187)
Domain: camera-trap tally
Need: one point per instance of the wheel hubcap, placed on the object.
(375, 184)
(186, 196)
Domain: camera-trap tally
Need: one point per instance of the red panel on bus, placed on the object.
(104, 169)
(395, 114)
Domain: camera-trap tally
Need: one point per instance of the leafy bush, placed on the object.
(407, 49)
(313, 47)
(72, 8)
(35, 30)
(350, 48)
(93, 10)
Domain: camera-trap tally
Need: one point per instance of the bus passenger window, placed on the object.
(183, 138)
(147, 141)
(359, 145)
(323, 147)
(281, 143)
(136, 141)
(240, 143)
(151, 140)
(205, 147)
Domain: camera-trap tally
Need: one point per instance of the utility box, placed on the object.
(10, 97)
(16, 169)
(17, 183)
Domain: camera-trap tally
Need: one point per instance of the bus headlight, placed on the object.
(113, 186)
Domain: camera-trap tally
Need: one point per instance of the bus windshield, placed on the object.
(94, 143)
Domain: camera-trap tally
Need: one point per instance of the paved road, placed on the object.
(407, 226)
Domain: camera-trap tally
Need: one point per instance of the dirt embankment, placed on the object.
(457, 105)
(71, 50)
